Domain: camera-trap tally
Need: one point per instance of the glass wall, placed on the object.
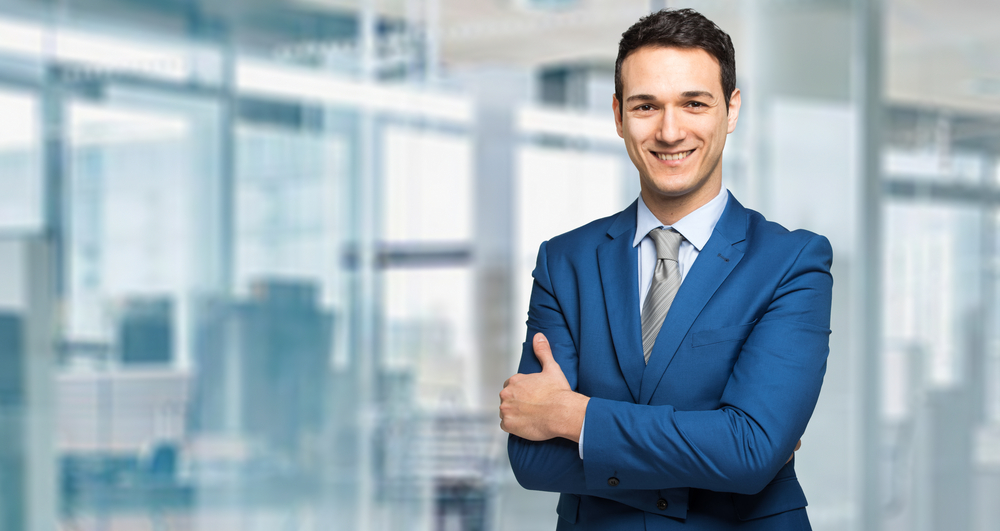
(265, 265)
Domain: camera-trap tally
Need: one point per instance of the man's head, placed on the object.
(680, 28)
(674, 106)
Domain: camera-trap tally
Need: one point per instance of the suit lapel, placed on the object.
(618, 264)
(714, 264)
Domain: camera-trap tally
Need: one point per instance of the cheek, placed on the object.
(632, 144)
(634, 156)
(635, 136)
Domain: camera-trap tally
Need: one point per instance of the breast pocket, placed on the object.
(719, 335)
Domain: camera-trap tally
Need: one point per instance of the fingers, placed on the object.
(797, 446)
(512, 379)
(505, 410)
(502, 405)
(543, 352)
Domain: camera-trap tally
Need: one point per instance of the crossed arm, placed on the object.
(735, 448)
(542, 405)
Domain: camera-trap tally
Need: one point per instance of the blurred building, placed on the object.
(146, 332)
(264, 368)
(12, 390)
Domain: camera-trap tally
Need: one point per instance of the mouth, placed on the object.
(673, 156)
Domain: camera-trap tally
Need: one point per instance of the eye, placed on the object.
(645, 107)
(696, 104)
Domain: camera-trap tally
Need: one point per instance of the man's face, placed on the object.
(674, 121)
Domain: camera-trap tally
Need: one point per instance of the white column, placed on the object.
(27, 290)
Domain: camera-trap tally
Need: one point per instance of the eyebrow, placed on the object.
(687, 94)
(697, 94)
(640, 97)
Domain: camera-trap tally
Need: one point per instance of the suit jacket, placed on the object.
(699, 437)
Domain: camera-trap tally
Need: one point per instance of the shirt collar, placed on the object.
(696, 227)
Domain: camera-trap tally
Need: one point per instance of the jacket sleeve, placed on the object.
(737, 448)
(555, 465)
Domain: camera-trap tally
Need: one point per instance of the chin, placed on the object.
(673, 189)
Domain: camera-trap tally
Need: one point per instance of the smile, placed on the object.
(673, 156)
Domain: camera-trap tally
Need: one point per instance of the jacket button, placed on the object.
(613, 482)
(661, 504)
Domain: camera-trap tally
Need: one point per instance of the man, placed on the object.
(675, 350)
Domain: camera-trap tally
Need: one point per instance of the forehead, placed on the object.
(653, 69)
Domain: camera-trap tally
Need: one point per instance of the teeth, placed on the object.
(676, 156)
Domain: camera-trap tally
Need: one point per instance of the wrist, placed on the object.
(574, 411)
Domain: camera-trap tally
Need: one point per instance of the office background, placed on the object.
(264, 264)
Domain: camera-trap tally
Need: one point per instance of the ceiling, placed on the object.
(944, 54)
(937, 54)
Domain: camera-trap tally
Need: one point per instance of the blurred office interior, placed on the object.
(264, 264)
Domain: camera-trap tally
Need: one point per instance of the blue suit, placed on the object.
(698, 438)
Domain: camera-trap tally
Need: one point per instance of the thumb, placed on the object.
(544, 352)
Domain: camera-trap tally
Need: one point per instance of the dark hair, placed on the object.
(679, 28)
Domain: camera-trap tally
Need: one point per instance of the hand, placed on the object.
(542, 405)
(797, 446)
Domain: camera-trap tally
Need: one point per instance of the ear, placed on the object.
(734, 110)
(617, 109)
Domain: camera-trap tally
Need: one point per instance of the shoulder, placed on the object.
(596, 230)
(586, 238)
(769, 238)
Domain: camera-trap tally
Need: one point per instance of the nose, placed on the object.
(671, 129)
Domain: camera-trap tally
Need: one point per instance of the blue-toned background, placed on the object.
(264, 264)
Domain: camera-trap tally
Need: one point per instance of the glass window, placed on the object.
(956, 167)
(932, 278)
(289, 207)
(428, 185)
(132, 173)
(430, 333)
(20, 163)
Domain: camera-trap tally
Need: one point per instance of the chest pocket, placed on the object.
(719, 335)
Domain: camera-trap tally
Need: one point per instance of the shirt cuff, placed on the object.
(582, 426)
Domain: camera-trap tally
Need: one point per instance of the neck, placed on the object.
(671, 209)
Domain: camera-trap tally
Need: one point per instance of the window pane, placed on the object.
(429, 333)
(428, 186)
(289, 208)
(932, 278)
(20, 164)
(132, 221)
(955, 167)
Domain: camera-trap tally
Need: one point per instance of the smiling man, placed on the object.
(675, 351)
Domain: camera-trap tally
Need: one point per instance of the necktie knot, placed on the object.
(668, 242)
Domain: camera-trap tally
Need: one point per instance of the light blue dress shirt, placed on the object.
(696, 228)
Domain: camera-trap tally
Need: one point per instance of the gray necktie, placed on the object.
(663, 288)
